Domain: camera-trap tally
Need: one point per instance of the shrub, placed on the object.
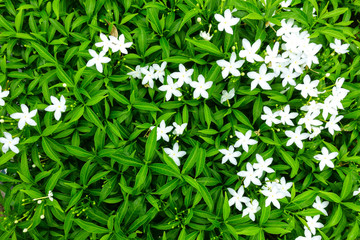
(179, 119)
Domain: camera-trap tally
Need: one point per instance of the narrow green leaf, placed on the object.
(150, 146)
(90, 227)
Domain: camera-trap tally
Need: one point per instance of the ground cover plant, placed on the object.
(179, 119)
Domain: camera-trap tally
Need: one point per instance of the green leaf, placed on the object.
(92, 117)
(207, 113)
(56, 8)
(62, 75)
(5, 24)
(188, 15)
(78, 152)
(150, 146)
(49, 151)
(90, 227)
(152, 14)
(127, 161)
(226, 207)
(291, 162)
(354, 233)
(242, 118)
(333, 13)
(43, 52)
(347, 186)
(191, 160)
(257, 110)
(205, 46)
(146, 106)
(120, 98)
(330, 196)
(75, 199)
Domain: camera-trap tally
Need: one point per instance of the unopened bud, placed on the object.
(327, 75)
(198, 20)
(39, 201)
(42, 216)
(64, 85)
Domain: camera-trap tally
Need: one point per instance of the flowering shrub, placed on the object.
(179, 119)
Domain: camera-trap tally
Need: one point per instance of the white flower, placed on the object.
(226, 22)
(286, 116)
(329, 106)
(105, 44)
(261, 78)
(272, 54)
(174, 153)
(269, 117)
(58, 106)
(119, 44)
(332, 125)
(325, 158)
(25, 117)
(356, 192)
(149, 76)
(160, 71)
(308, 236)
(97, 60)
(283, 187)
(231, 66)
(252, 208)
(308, 88)
(296, 137)
(313, 223)
(339, 48)
(285, 4)
(237, 198)
(179, 129)
(249, 51)
(136, 73)
(183, 75)
(50, 195)
(2, 95)
(25, 230)
(162, 131)
(170, 88)
(230, 155)
(320, 205)
(310, 121)
(263, 166)
(9, 142)
(250, 175)
(244, 140)
(227, 95)
(205, 35)
(287, 27)
(288, 77)
(42, 216)
(272, 197)
(201, 86)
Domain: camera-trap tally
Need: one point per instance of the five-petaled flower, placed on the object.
(226, 21)
(9, 143)
(97, 60)
(201, 86)
(174, 153)
(58, 106)
(25, 117)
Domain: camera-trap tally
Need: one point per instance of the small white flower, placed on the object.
(171, 89)
(149, 76)
(227, 21)
(332, 125)
(179, 129)
(272, 197)
(263, 166)
(227, 95)
(25, 117)
(174, 153)
(105, 44)
(244, 140)
(286, 116)
(310, 121)
(261, 78)
(296, 137)
(205, 35)
(308, 236)
(160, 71)
(183, 75)
(50, 195)
(230, 155)
(136, 73)
(269, 117)
(201, 86)
(356, 192)
(2, 95)
(250, 175)
(283, 187)
(325, 158)
(97, 60)
(42, 216)
(308, 88)
(339, 48)
(58, 106)
(119, 44)
(163, 130)
(287, 27)
(252, 208)
(9, 143)
(313, 223)
(249, 51)
(230, 67)
(320, 205)
(288, 77)
(237, 198)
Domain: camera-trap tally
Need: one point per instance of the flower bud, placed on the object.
(198, 20)
(42, 216)
(64, 85)
(327, 75)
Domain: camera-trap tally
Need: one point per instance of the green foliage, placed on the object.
(110, 177)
